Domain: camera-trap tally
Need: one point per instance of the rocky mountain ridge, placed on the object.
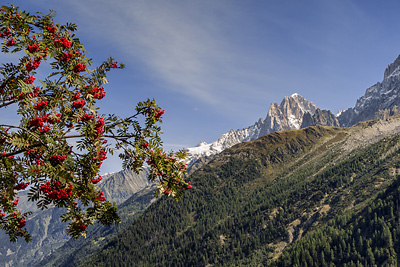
(293, 113)
(382, 96)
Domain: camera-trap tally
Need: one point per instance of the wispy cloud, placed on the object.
(186, 45)
(233, 55)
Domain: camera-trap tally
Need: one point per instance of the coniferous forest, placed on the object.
(309, 197)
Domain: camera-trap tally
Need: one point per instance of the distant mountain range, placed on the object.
(296, 112)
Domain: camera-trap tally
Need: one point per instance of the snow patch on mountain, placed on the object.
(226, 140)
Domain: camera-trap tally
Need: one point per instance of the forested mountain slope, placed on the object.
(366, 238)
(261, 202)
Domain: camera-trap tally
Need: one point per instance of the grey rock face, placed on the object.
(320, 117)
(288, 115)
(383, 95)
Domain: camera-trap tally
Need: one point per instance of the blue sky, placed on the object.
(216, 65)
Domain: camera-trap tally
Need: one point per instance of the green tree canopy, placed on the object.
(37, 154)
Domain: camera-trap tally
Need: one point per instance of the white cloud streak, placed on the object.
(183, 43)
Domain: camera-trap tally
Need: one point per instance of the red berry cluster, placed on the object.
(79, 67)
(99, 127)
(145, 144)
(39, 121)
(102, 155)
(29, 79)
(151, 162)
(55, 118)
(79, 104)
(15, 203)
(57, 159)
(86, 117)
(100, 196)
(45, 129)
(20, 186)
(64, 42)
(55, 190)
(33, 48)
(188, 186)
(66, 57)
(51, 28)
(39, 163)
(98, 93)
(159, 114)
(185, 186)
(21, 223)
(115, 65)
(76, 96)
(34, 153)
(10, 42)
(6, 32)
(95, 181)
(33, 64)
(40, 106)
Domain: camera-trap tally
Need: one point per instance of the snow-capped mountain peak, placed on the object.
(286, 116)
